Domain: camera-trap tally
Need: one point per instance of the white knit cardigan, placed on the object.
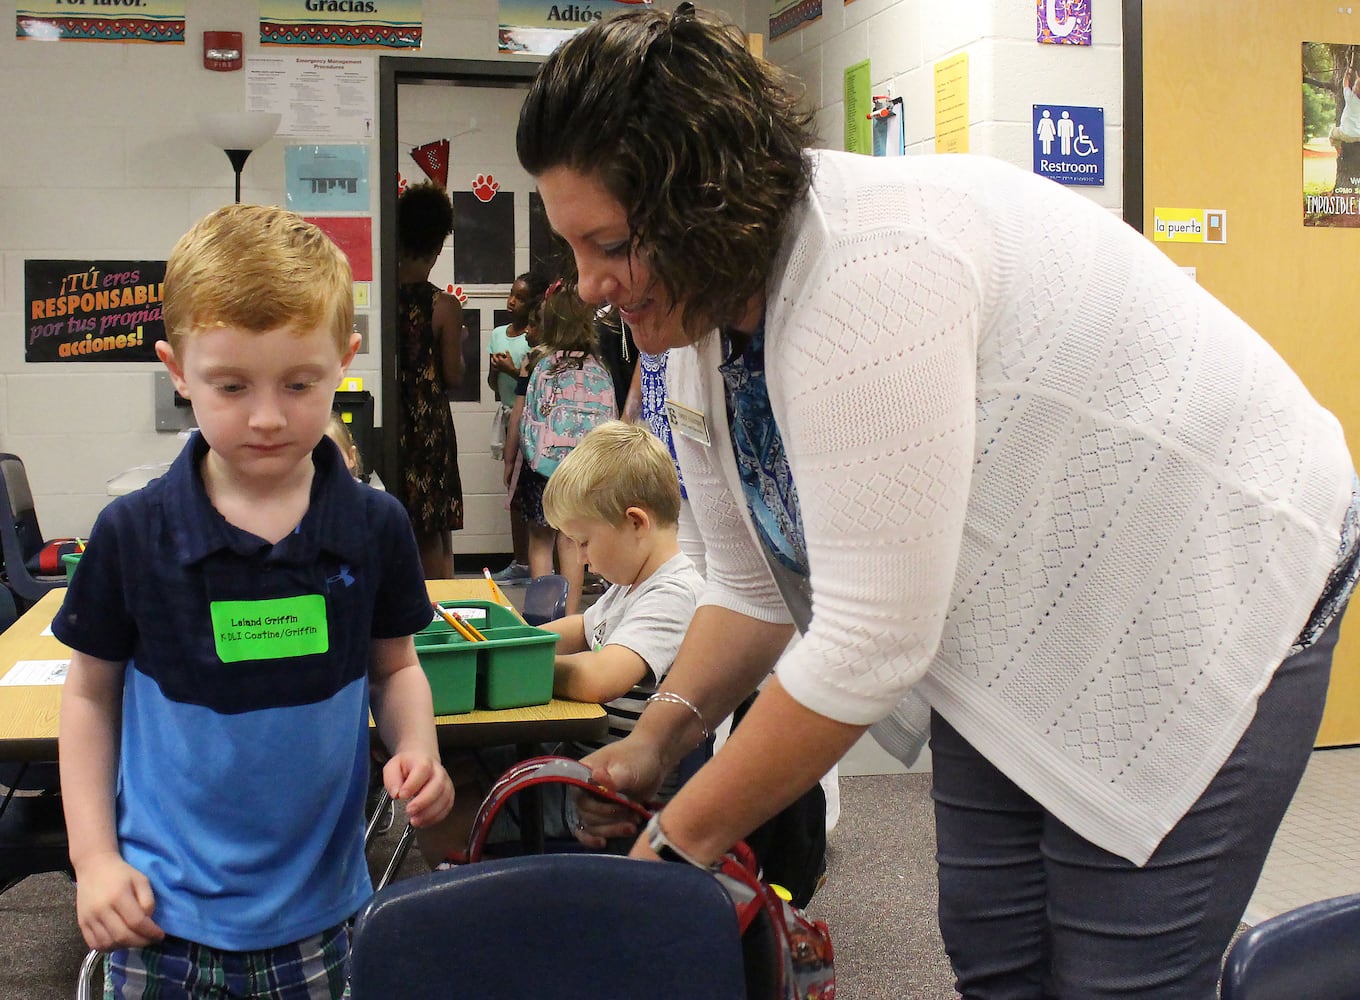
(1046, 481)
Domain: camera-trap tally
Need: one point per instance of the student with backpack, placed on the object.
(564, 392)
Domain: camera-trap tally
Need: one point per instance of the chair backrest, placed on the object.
(18, 500)
(20, 537)
(566, 926)
(545, 599)
(1310, 952)
(9, 611)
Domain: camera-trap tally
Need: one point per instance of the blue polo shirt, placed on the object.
(244, 754)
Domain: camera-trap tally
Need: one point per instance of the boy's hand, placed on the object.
(114, 904)
(422, 784)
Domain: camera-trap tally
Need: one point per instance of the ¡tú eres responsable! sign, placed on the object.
(1189, 225)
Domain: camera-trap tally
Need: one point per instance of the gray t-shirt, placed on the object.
(649, 618)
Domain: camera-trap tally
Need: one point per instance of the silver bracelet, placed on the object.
(679, 699)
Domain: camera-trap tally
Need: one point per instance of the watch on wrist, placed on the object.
(664, 849)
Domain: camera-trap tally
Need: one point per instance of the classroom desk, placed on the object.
(29, 713)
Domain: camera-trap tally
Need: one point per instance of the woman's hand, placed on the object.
(632, 766)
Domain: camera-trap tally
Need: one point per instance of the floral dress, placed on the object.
(430, 486)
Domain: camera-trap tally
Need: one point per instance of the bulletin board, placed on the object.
(1213, 119)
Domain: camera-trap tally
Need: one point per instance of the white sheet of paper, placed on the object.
(36, 672)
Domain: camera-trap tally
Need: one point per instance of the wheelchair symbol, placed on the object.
(1082, 144)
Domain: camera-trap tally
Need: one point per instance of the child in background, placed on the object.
(338, 431)
(617, 497)
(508, 348)
(545, 419)
(232, 625)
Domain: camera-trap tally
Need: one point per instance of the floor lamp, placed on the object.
(238, 133)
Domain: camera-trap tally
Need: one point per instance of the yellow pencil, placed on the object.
(469, 626)
(495, 590)
(457, 623)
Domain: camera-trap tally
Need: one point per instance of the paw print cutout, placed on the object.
(401, 184)
(485, 187)
(457, 292)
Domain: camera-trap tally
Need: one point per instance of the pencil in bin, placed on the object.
(459, 623)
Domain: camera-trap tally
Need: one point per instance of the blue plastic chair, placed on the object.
(1312, 951)
(21, 538)
(566, 926)
(545, 599)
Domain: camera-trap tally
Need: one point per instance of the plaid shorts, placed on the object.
(314, 968)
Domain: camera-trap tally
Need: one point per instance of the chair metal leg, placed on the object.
(91, 985)
(384, 803)
(398, 856)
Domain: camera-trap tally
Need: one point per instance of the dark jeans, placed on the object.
(1029, 909)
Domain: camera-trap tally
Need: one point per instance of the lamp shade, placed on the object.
(239, 129)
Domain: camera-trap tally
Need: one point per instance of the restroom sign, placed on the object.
(1069, 144)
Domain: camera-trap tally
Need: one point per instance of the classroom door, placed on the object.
(1223, 129)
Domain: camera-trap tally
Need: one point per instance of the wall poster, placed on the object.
(1331, 134)
(92, 310)
(367, 24)
(788, 15)
(93, 21)
(536, 27)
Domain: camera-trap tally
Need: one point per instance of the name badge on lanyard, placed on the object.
(688, 423)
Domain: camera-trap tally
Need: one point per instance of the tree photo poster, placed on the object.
(1331, 134)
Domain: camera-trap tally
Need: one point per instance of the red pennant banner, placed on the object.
(433, 158)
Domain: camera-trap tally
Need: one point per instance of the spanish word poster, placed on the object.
(326, 178)
(319, 96)
(788, 15)
(1063, 22)
(1331, 134)
(92, 310)
(1069, 143)
(93, 21)
(1189, 225)
(536, 27)
(364, 24)
(951, 104)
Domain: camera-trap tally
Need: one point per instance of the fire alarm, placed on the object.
(222, 50)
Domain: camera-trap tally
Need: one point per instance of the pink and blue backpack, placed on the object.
(570, 393)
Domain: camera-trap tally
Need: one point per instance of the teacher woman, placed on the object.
(1012, 475)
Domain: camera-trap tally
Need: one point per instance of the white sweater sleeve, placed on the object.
(870, 354)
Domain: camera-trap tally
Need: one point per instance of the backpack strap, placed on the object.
(539, 771)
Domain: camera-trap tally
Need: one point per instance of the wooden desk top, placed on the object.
(29, 713)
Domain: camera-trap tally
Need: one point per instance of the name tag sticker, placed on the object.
(270, 630)
(688, 423)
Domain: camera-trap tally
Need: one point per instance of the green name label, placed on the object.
(270, 630)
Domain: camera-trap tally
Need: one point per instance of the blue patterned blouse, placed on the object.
(766, 481)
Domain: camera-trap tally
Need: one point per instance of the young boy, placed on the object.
(231, 626)
(617, 496)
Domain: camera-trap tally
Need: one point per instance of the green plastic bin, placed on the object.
(69, 561)
(450, 665)
(515, 666)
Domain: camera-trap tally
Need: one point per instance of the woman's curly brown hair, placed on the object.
(701, 142)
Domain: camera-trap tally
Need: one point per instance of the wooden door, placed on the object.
(1222, 127)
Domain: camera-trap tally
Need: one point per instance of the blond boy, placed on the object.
(617, 496)
(239, 617)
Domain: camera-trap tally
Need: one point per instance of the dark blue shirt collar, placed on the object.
(198, 529)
